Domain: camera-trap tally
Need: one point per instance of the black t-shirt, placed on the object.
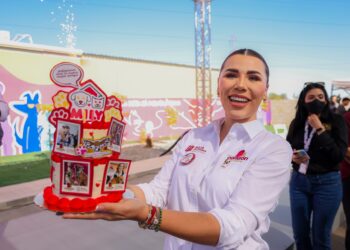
(326, 150)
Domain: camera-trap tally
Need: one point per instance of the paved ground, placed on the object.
(29, 227)
(140, 152)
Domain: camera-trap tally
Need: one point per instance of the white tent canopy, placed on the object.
(341, 85)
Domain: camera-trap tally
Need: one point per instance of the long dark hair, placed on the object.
(249, 52)
(301, 111)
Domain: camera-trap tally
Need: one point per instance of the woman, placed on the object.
(223, 179)
(315, 187)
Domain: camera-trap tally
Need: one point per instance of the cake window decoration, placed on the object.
(115, 132)
(76, 177)
(67, 137)
(115, 176)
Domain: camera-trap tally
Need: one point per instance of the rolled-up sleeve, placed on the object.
(256, 195)
(156, 191)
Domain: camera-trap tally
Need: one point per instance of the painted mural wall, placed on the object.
(28, 90)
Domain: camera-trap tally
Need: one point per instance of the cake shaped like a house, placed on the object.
(85, 165)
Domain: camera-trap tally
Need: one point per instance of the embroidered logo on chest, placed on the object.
(187, 159)
(195, 149)
(239, 157)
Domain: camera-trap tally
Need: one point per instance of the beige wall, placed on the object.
(283, 111)
(142, 79)
(31, 66)
(129, 77)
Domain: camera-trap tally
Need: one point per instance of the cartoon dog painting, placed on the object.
(80, 98)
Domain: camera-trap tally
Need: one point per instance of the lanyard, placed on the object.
(308, 138)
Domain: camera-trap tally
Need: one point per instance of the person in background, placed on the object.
(344, 106)
(334, 103)
(4, 111)
(223, 180)
(345, 173)
(319, 138)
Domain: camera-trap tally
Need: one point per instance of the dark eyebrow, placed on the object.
(232, 70)
(237, 71)
(253, 72)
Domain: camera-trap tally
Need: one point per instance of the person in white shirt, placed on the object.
(223, 180)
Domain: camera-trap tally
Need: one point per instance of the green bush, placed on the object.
(24, 168)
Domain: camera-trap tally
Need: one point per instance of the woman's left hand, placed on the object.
(128, 209)
(314, 121)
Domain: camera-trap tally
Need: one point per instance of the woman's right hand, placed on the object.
(128, 209)
(298, 159)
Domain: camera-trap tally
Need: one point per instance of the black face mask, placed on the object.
(315, 107)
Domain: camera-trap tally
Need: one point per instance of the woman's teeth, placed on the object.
(238, 99)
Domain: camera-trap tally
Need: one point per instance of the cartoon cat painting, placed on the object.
(98, 103)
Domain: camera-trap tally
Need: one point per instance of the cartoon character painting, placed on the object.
(29, 141)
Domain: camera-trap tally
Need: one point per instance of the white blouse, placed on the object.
(239, 182)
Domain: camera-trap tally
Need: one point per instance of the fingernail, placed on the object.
(99, 208)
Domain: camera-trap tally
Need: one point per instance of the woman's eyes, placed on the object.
(254, 78)
(231, 75)
(250, 77)
(311, 98)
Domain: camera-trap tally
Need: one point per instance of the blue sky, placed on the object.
(302, 40)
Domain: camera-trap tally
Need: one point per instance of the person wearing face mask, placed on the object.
(319, 139)
(344, 106)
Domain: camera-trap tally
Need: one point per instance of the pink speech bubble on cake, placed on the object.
(67, 74)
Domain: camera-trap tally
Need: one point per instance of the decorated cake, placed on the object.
(85, 165)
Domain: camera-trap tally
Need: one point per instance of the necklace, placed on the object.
(307, 142)
(308, 138)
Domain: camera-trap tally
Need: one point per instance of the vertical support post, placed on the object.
(202, 60)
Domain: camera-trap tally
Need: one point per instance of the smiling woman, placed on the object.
(242, 85)
(223, 180)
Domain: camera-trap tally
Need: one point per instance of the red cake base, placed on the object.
(57, 204)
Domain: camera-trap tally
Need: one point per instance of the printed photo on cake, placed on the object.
(97, 148)
(115, 176)
(75, 178)
(67, 137)
(116, 131)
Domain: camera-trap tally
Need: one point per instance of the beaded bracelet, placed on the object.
(154, 219)
(159, 220)
(151, 213)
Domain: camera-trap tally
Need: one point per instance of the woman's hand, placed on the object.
(314, 121)
(298, 159)
(128, 209)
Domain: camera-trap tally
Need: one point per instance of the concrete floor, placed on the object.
(31, 228)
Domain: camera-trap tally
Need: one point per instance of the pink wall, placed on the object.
(154, 117)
